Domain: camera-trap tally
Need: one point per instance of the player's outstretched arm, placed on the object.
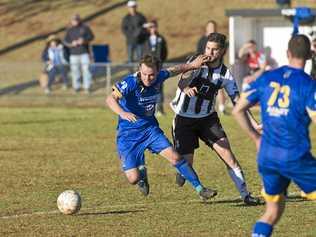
(182, 68)
(240, 114)
(112, 102)
(250, 116)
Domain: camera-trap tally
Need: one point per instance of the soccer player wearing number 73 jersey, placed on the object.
(287, 97)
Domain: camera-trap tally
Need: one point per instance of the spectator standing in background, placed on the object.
(135, 33)
(77, 39)
(156, 45)
(211, 27)
(255, 58)
(55, 58)
(241, 69)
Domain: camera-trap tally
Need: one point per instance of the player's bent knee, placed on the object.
(132, 177)
(175, 158)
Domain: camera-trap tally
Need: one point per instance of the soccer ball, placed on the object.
(69, 202)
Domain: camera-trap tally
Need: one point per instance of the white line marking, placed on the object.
(111, 207)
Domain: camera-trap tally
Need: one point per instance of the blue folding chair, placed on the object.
(101, 54)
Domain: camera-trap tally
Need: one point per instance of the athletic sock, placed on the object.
(238, 178)
(262, 229)
(142, 172)
(189, 174)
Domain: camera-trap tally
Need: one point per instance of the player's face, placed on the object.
(214, 51)
(147, 74)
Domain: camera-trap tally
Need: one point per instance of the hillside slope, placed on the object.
(181, 22)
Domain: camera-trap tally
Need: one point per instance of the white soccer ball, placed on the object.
(69, 202)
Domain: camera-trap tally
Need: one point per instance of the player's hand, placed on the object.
(80, 41)
(199, 61)
(190, 91)
(128, 116)
(74, 43)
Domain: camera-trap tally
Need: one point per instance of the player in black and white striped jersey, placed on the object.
(196, 117)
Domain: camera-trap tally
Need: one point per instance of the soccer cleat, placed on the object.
(180, 180)
(143, 187)
(207, 193)
(252, 201)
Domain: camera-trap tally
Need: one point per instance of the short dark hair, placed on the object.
(218, 38)
(300, 47)
(150, 61)
(252, 42)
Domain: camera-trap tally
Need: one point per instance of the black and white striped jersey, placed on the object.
(207, 81)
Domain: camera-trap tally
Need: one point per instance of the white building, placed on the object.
(268, 27)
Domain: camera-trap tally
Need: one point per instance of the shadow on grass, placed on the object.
(239, 203)
(99, 77)
(46, 121)
(109, 213)
(16, 89)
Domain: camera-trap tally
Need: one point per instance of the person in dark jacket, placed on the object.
(135, 34)
(211, 27)
(156, 45)
(77, 39)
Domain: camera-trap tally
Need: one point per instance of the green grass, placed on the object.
(44, 151)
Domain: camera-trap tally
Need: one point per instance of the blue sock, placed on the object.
(238, 178)
(189, 174)
(262, 229)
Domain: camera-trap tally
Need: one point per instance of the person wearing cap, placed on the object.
(55, 57)
(135, 34)
(156, 45)
(77, 39)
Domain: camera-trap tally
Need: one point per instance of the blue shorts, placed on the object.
(132, 143)
(276, 176)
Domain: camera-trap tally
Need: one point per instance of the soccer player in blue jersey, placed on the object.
(134, 99)
(287, 97)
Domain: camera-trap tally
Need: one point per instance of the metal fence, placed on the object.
(20, 77)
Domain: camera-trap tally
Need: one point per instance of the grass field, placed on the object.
(44, 151)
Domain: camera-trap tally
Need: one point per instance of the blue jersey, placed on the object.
(139, 100)
(285, 95)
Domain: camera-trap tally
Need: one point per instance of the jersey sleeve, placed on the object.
(252, 90)
(230, 86)
(311, 100)
(163, 75)
(124, 87)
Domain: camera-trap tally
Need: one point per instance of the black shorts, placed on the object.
(187, 131)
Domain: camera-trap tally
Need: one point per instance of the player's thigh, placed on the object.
(157, 141)
(211, 131)
(131, 153)
(184, 134)
(274, 183)
(303, 174)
